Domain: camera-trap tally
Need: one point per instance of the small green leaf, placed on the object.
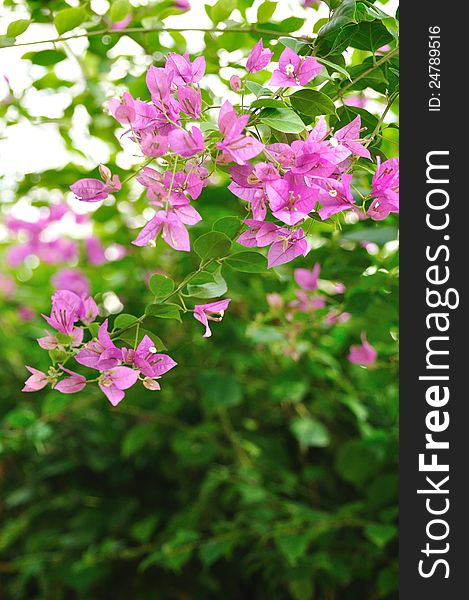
(212, 245)
(68, 19)
(266, 11)
(16, 28)
(293, 547)
(268, 103)
(45, 57)
(208, 285)
(331, 67)
(312, 103)
(375, 235)
(227, 225)
(370, 36)
(221, 10)
(124, 320)
(282, 119)
(164, 311)
(119, 10)
(309, 432)
(248, 262)
(291, 43)
(258, 90)
(160, 285)
(380, 535)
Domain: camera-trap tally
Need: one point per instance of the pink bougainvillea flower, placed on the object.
(183, 71)
(73, 280)
(259, 58)
(25, 313)
(294, 70)
(290, 202)
(88, 310)
(235, 146)
(170, 226)
(385, 190)
(101, 353)
(235, 83)
(335, 316)
(335, 196)
(89, 190)
(37, 381)
(363, 354)
(190, 101)
(306, 303)
(50, 342)
(182, 5)
(186, 143)
(95, 252)
(93, 190)
(349, 136)
(159, 81)
(210, 312)
(288, 245)
(123, 110)
(246, 185)
(151, 384)
(259, 234)
(114, 381)
(149, 362)
(7, 286)
(65, 311)
(307, 279)
(357, 101)
(70, 385)
(153, 145)
(281, 153)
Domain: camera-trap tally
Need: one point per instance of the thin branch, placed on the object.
(131, 30)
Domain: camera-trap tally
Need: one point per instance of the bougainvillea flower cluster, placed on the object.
(118, 367)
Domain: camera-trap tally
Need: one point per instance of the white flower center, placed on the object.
(333, 193)
(152, 349)
(289, 69)
(334, 142)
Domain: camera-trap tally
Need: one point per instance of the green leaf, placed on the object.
(293, 547)
(309, 432)
(227, 225)
(331, 67)
(248, 262)
(45, 57)
(370, 36)
(342, 16)
(312, 103)
(51, 81)
(219, 389)
(68, 19)
(16, 28)
(376, 235)
(357, 462)
(160, 285)
(208, 285)
(119, 10)
(292, 43)
(258, 90)
(212, 245)
(164, 311)
(268, 103)
(124, 320)
(265, 11)
(282, 119)
(136, 438)
(221, 10)
(380, 535)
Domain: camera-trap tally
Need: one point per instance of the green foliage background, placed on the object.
(252, 474)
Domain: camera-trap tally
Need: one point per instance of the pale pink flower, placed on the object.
(294, 70)
(115, 381)
(308, 279)
(70, 385)
(259, 58)
(37, 381)
(363, 354)
(210, 312)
